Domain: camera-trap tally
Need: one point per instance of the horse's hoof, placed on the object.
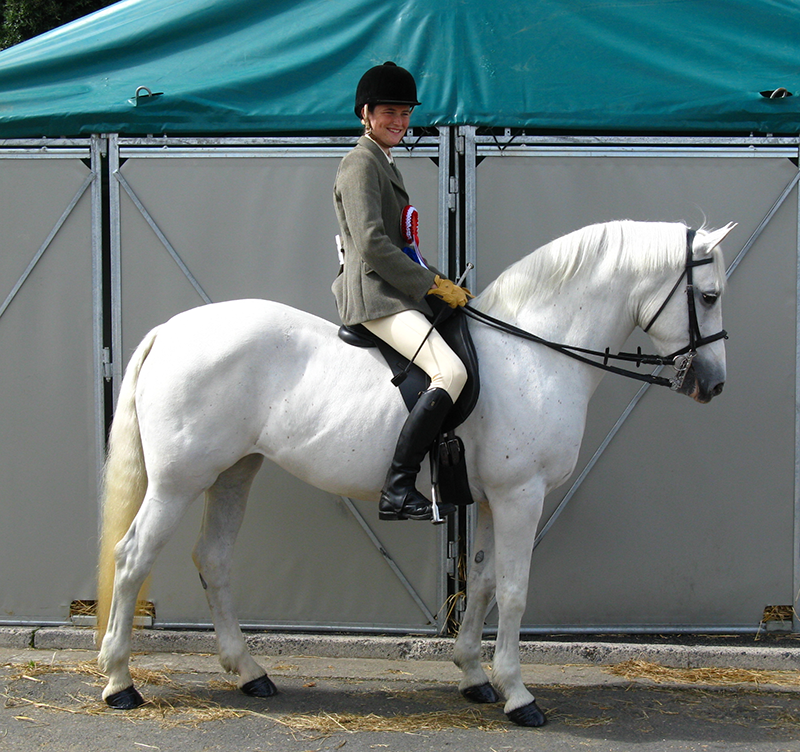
(528, 715)
(126, 699)
(483, 693)
(261, 687)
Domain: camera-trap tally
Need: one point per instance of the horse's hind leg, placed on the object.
(475, 684)
(225, 506)
(134, 556)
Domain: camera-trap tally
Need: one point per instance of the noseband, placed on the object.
(681, 359)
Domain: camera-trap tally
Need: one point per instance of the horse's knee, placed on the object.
(512, 600)
(480, 585)
(200, 557)
(213, 565)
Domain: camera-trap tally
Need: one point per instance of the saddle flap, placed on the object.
(456, 333)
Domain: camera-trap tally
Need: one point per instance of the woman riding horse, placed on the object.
(382, 288)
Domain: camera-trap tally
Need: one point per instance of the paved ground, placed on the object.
(354, 703)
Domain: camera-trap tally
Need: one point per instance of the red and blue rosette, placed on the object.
(409, 227)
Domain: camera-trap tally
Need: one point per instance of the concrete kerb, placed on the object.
(545, 652)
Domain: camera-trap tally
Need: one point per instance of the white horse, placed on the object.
(209, 394)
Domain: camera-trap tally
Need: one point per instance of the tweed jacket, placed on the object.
(377, 278)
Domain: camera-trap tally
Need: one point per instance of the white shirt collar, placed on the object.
(388, 155)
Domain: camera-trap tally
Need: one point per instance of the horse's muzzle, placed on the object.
(703, 396)
(700, 389)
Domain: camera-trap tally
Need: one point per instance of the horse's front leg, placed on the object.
(226, 501)
(475, 684)
(515, 530)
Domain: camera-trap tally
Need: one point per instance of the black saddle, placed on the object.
(452, 325)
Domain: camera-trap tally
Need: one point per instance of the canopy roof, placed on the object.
(268, 66)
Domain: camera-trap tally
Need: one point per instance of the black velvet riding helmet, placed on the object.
(386, 84)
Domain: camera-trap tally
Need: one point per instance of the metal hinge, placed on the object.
(102, 141)
(452, 555)
(107, 364)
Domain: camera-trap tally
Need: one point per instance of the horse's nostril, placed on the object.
(718, 389)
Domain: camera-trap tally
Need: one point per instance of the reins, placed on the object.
(681, 359)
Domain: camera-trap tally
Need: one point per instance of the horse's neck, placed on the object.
(593, 314)
(590, 313)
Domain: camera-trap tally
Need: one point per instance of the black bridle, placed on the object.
(681, 359)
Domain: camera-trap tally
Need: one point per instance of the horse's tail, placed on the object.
(124, 480)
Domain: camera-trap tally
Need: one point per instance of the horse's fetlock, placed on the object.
(106, 660)
(461, 661)
(228, 664)
(465, 656)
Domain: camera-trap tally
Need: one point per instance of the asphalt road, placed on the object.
(51, 701)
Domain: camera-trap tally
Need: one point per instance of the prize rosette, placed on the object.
(409, 227)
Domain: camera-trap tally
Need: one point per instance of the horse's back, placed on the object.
(239, 347)
(204, 339)
(253, 376)
(247, 319)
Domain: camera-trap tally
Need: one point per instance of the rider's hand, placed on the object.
(450, 292)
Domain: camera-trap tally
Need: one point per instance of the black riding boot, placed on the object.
(400, 500)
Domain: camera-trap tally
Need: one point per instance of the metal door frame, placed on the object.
(120, 149)
(478, 146)
(91, 150)
(458, 150)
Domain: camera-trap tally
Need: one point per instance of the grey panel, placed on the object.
(264, 227)
(687, 518)
(48, 507)
(685, 521)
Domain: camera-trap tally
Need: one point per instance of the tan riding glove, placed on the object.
(450, 292)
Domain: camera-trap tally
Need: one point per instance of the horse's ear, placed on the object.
(707, 241)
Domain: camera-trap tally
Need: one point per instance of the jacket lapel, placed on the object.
(386, 166)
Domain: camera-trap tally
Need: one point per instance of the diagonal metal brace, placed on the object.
(160, 235)
(638, 396)
(49, 239)
(389, 560)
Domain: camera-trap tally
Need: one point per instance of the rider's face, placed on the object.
(389, 123)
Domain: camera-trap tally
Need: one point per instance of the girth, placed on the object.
(453, 328)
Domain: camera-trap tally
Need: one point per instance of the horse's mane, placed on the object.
(625, 245)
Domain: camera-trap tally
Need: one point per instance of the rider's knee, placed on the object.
(455, 379)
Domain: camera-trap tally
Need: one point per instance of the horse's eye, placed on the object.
(709, 298)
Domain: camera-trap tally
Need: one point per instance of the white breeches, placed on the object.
(404, 331)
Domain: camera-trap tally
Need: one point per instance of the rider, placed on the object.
(382, 288)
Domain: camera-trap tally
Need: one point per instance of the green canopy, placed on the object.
(278, 66)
